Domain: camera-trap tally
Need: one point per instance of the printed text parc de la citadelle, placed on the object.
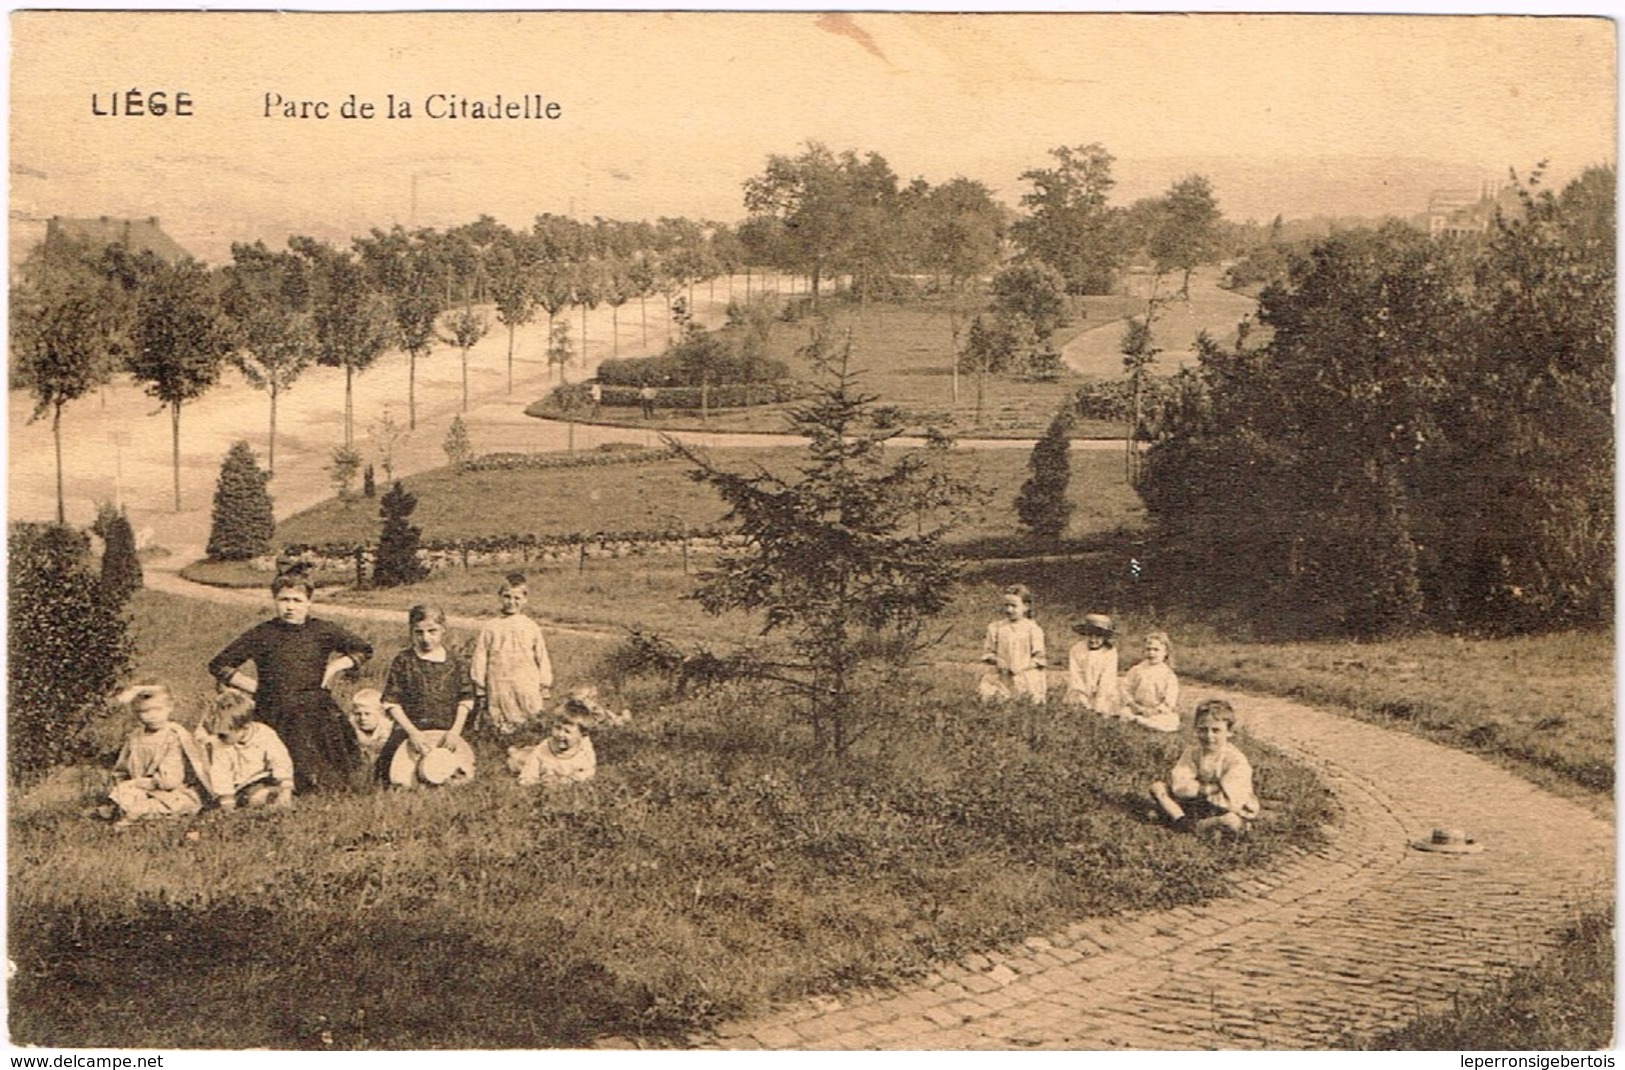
(180, 103)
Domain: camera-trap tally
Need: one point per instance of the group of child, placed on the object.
(1211, 783)
(410, 733)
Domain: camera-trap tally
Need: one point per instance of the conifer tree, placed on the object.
(397, 562)
(243, 523)
(1042, 503)
(121, 569)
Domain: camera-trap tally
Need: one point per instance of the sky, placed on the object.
(668, 114)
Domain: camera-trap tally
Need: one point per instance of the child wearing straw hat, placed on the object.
(1091, 675)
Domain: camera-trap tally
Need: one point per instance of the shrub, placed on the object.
(121, 569)
(342, 469)
(369, 483)
(397, 563)
(459, 448)
(1042, 504)
(68, 648)
(243, 522)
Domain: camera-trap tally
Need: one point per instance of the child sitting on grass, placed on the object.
(372, 729)
(159, 772)
(428, 693)
(510, 667)
(1091, 678)
(1015, 650)
(1150, 692)
(1211, 785)
(564, 757)
(248, 765)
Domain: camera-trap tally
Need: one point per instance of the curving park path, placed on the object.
(1348, 940)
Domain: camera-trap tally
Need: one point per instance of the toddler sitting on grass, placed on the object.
(565, 756)
(1211, 785)
(248, 764)
(159, 771)
(372, 728)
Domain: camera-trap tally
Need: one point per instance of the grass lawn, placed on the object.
(660, 496)
(1565, 1002)
(714, 866)
(904, 353)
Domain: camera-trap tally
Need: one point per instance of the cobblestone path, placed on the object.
(1358, 936)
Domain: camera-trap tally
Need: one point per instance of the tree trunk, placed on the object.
(411, 390)
(510, 357)
(583, 336)
(56, 434)
(465, 380)
(175, 448)
(643, 307)
(349, 406)
(614, 331)
(270, 442)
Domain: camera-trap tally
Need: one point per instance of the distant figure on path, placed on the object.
(1091, 677)
(510, 667)
(596, 392)
(1015, 650)
(1151, 690)
(646, 398)
(1211, 785)
(296, 657)
(427, 687)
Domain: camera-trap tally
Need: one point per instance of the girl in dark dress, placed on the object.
(427, 688)
(295, 658)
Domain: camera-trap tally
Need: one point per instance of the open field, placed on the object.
(904, 354)
(702, 875)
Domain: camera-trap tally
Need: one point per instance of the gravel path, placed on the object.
(1358, 936)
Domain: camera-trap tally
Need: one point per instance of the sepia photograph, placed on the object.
(697, 531)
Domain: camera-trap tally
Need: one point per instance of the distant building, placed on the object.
(137, 235)
(1455, 213)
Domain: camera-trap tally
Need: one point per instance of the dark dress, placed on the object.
(289, 660)
(428, 692)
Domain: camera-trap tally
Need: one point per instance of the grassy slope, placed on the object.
(654, 496)
(904, 354)
(700, 875)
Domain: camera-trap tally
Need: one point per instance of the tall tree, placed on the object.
(242, 522)
(267, 296)
(405, 268)
(351, 319)
(1187, 230)
(1069, 224)
(464, 329)
(513, 290)
(64, 328)
(963, 231)
(181, 341)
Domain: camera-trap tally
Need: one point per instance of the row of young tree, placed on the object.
(1426, 437)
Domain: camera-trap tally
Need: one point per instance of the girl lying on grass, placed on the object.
(248, 765)
(159, 772)
(1211, 785)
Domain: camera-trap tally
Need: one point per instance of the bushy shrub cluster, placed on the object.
(67, 647)
(1427, 438)
(610, 453)
(686, 398)
(679, 368)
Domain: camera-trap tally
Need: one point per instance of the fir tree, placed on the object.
(121, 569)
(1042, 503)
(369, 483)
(243, 524)
(397, 562)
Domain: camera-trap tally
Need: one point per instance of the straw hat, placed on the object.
(1449, 842)
(1095, 624)
(439, 765)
